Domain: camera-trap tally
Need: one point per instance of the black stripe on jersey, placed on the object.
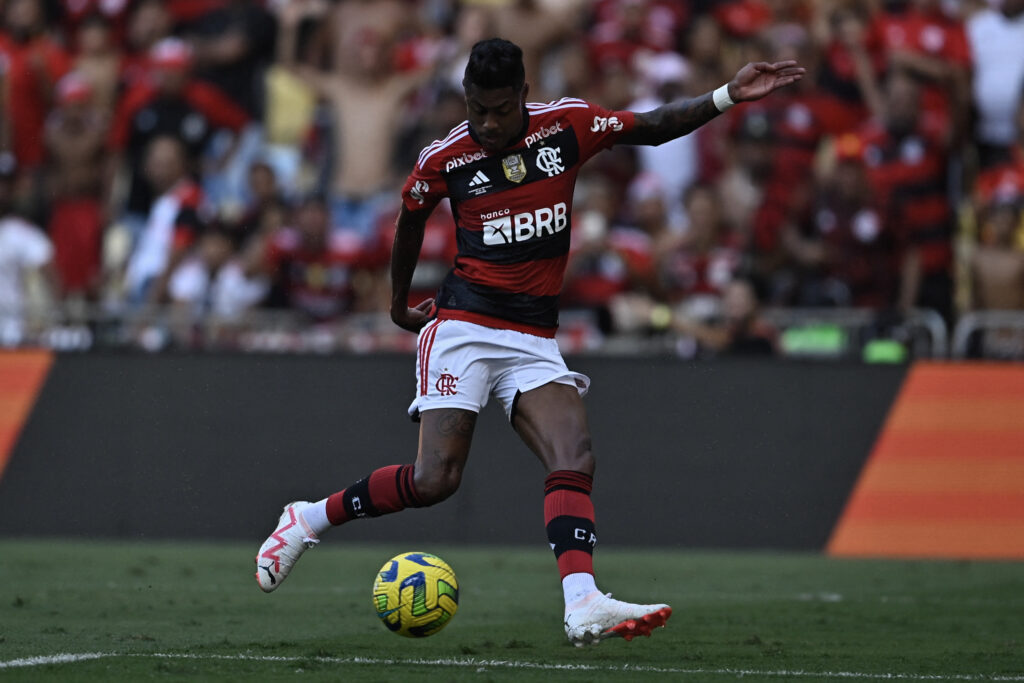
(552, 156)
(460, 295)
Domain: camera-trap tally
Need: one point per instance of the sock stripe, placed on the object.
(569, 520)
(564, 502)
(567, 479)
(400, 486)
(408, 486)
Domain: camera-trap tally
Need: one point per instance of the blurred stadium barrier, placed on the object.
(825, 333)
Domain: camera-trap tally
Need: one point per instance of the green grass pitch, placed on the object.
(103, 611)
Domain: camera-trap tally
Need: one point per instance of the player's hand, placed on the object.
(757, 79)
(413, 319)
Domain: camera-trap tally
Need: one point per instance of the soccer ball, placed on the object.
(415, 594)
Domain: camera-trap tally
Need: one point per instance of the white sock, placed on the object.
(315, 515)
(577, 586)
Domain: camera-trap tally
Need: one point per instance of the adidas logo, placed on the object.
(479, 179)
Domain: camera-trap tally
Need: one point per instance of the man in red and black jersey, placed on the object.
(906, 154)
(509, 172)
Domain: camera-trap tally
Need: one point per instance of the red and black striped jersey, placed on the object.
(512, 211)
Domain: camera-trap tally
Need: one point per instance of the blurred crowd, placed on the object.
(223, 156)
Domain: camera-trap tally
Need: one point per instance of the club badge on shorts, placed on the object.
(514, 168)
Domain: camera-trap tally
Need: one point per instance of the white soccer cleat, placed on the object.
(282, 549)
(597, 616)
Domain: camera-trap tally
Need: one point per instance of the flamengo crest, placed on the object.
(514, 168)
(549, 160)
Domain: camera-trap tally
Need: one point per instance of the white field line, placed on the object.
(483, 664)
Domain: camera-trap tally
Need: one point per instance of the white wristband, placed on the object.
(721, 98)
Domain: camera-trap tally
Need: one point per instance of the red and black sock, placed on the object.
(569, 517)
(386, 490)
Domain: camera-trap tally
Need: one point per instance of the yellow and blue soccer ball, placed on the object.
(416, 594)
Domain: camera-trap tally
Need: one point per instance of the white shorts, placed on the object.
(461, 364)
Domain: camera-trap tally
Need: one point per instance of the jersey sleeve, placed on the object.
(425, 186)
(599, 128)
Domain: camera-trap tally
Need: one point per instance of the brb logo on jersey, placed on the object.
(512, 229)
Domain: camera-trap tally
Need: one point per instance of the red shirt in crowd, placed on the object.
(931, 34)
(1002, 182)
(199, 97)
(318, 282)
(909, 175)
(596, 276)
(31, 69)
(686, 272)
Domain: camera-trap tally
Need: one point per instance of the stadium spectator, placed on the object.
(675, 164)
(920, 38)
(232, 47)
(149, 22)
(996, 265)
(264, 209)
(625, 28)
(366, 95)
(739, 330)
(98, 59)
(24, 251)
(76, 133)
(842, 243)
(996, 38)
(539, 28)
(34, 62)
(848, 68)
(177, 105)
(609, 257)
(316, 270)
(747, 172)
(110, 13)
(172, 224)
(211, 281)
(347, 23)
(907, 154)
(5, 120)
(799, 120)
(693, 270)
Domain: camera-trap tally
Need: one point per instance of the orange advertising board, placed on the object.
(946, 476)
(21, 377)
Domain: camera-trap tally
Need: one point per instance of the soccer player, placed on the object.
(509, 171)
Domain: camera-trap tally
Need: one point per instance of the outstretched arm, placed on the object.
(404, 255)
(676, 119)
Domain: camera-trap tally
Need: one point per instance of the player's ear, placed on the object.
(524, 93)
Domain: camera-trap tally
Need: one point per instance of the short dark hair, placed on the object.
(495, 63)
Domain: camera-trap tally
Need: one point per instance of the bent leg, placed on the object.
(445, 437)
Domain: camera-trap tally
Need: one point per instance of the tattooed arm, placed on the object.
(680, 117)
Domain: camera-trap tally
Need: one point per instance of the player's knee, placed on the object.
(575, 455)
(583, 456)
(435, 485)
